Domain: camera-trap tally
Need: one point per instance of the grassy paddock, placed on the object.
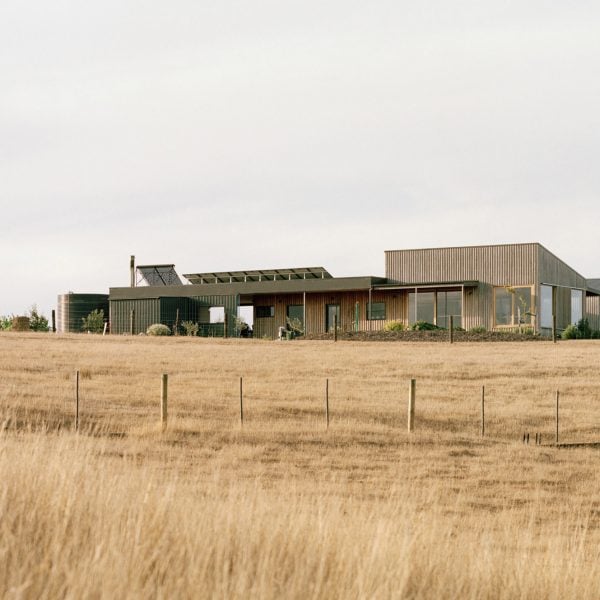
(282, 507)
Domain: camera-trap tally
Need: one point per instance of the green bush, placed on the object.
(6, 322)
(424, 326)
(570, 333)
(94, 322)
(158, 329)
(394, 326)
(478, 329)
(37, 321)
(581, 331)
(595, 334)
(190, 328)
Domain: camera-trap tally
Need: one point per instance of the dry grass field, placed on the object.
(283, 508)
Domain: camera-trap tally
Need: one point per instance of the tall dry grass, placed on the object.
(282, 507)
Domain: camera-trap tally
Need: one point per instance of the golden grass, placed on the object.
(282, 507)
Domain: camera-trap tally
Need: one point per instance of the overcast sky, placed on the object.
(262, 134)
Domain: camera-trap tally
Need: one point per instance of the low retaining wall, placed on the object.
(428, 336)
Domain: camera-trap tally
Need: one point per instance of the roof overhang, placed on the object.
(251, 288)
(427, 285)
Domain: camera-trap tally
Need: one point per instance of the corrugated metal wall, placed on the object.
(147, 312)
(164, 310)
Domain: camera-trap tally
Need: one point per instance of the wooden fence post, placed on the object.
(412, 393)
(77, 401)
(225, 323)
(163, 400)
(131, 321)
(451, 329)
(557, 399)
(335, 327)
(241, 402)
(176, 327)
(554, 329)
(327, 402)
(482, 410)
(53, 321)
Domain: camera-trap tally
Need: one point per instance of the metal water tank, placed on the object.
(73, 308)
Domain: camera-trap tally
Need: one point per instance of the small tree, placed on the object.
(295, 325)
(242, 327)
(37, 321)
(190, 328)
(94, 322)
(6, 322)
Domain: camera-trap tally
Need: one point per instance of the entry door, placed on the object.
(333, 310)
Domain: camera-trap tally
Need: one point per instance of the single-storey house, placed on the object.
(497, 287)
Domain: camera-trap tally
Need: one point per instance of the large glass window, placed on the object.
(449, 305)
(503, 303)
(546, 306)
(576, 306)
(435, 307)
(426, 307)
(512, 305)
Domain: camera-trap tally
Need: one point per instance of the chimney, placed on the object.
(132, 270)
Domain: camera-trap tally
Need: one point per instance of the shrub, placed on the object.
(190, 328)
(581, 331)
(478, 329)
(295, 325)
(585, 331)
(595, 334)
(37, 321)
(424, 326)
(158, 329)
(570, 333)
(6, 322)
(94, 322)
(394, 326)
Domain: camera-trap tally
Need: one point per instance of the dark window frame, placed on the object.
(265, 312)
(375, 315)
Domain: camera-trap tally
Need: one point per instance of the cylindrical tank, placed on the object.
(73, 308)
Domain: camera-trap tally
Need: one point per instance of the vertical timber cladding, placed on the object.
(501, 265)
(316, 307)
(554, 271)
(592, 310)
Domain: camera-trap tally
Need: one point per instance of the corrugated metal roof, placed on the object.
(594, 286)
